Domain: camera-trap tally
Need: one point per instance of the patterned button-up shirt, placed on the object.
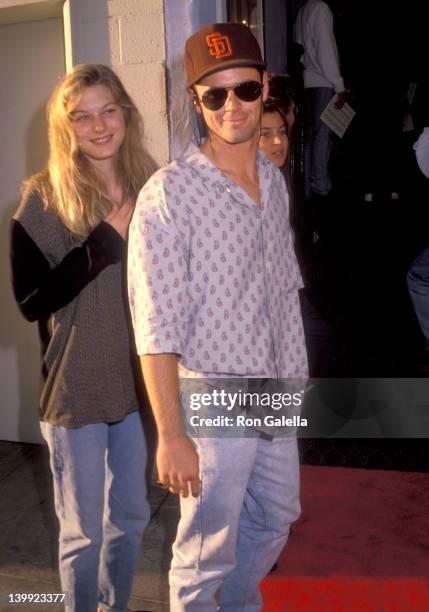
(212, 276)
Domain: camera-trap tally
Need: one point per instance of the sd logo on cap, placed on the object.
(219, 46)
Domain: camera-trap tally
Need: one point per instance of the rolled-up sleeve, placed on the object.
(158, 262)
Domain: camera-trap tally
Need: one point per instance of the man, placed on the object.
(213, 287)
(322, 78)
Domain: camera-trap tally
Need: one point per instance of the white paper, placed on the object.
(337, 119)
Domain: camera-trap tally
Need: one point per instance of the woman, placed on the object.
(274, 139)
(275, 143)
(68, 240)
(275, 133)
(277, 128)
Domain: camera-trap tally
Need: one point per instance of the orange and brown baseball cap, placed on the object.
(219, 46)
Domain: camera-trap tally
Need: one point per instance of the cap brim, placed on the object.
(243, 63)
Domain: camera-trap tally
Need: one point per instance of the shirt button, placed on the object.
(268, 264)
(228, 190)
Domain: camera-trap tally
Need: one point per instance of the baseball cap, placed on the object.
(219, 46)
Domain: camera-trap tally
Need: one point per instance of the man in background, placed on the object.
(322, 80)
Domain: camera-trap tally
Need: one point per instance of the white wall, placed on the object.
(31, 62)
(137, 47)
(182, 18)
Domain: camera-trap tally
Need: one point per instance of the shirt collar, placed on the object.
(210, 174)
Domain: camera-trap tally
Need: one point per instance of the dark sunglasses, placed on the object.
(215, 98)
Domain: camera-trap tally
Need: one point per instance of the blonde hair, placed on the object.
(69, 184)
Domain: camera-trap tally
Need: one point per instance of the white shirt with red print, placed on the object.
(212, 276)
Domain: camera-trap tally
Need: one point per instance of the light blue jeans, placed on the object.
(231, 535)
(101, 504)
(317, 142)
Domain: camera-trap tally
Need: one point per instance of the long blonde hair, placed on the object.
(69, 184)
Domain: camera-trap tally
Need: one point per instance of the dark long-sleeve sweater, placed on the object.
(75, 292)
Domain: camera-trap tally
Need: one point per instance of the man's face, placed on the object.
(236, 121)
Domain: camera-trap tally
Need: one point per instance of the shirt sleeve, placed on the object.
(158, 263)
(422, 152)
(326, 48)
(41, 290)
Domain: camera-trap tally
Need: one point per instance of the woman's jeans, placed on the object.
(101, 504)
(231, 535)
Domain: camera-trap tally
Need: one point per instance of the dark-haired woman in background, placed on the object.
(277, 122)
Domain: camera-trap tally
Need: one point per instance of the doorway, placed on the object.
(31, 63)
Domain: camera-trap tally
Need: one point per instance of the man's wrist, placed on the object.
(170, 436)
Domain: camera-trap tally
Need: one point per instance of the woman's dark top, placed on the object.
(75, 290)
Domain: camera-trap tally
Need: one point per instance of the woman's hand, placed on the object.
(120, 216)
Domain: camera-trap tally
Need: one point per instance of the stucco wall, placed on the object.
(129, 36)
(136, 31)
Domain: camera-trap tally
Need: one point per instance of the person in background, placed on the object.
(314, 31)
(276, 134)
(68, 244)
(280, 109)
(274, 139)
(274, 142)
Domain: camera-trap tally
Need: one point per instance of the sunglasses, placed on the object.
(248, 91)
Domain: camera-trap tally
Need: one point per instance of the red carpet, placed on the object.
(361, 544)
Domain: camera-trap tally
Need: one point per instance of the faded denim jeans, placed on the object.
(317, 142)
(231, 535)
(100, 501)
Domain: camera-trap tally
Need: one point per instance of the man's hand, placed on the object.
(176, 458)
(178, 464)
(341, 99)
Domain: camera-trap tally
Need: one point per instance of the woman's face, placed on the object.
(274, 141)
(98, 123)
